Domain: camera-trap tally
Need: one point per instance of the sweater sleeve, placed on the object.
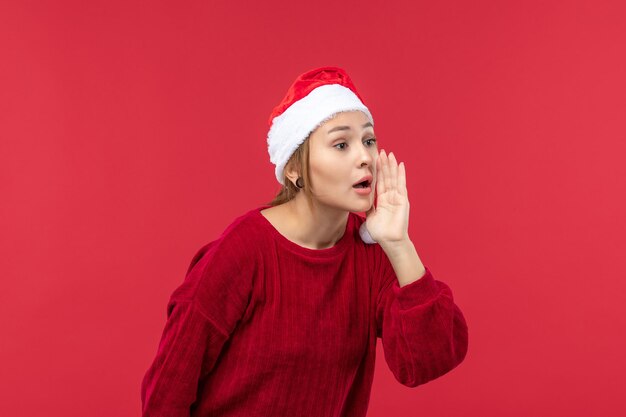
(423, 332)
(202, 313)
(189, 346)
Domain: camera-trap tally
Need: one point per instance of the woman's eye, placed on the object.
(372, 140)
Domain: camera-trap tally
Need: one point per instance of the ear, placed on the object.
(292, 175)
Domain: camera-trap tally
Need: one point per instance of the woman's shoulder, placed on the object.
(230, 258)
(240, 235)
(243, 226)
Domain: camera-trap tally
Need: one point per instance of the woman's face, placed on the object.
(341, 152)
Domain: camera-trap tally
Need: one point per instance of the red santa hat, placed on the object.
(314, 97)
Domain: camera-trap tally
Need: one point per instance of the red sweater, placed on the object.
(262, 326)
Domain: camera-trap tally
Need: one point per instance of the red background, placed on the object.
(132, 133)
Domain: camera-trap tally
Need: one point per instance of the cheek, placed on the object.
(330, 173)
(322, 164)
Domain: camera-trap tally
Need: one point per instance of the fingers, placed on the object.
(388, 180)
(393, 171)
(392, 176)
(402, 179)
(380, 177)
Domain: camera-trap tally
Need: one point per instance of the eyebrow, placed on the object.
(348, 127)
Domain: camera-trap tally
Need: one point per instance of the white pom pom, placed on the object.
(365, 235)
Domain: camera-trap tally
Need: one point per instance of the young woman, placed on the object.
(280, 315)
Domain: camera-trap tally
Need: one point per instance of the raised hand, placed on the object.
(387, 221)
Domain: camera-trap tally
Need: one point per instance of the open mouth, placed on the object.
(363, 184)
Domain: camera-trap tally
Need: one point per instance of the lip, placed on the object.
(363, 191)
(368, 177)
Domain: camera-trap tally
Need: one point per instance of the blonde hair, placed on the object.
(300, 162)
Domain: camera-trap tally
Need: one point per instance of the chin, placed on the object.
(362, 206)
(355, 206)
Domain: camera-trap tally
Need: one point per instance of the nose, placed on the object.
(365, 156)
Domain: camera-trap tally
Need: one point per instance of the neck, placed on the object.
(316, 227)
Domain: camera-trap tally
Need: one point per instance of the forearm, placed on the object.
(405, 260)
